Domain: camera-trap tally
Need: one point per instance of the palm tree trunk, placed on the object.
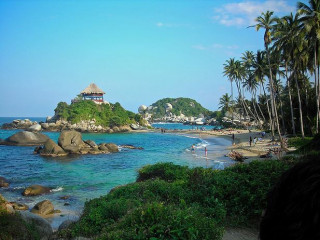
(264, 119)
(290, 100)
(316, 82)
(273, 109)
(232, 101)
(300, 107)
(255, 109)
(268, 107)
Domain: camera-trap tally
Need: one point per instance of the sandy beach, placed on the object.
(241, 144)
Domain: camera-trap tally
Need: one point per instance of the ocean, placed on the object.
(90, 176)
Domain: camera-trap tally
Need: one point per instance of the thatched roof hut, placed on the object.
(92, 89)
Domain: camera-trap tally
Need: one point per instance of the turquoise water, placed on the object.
(179, 126)
(90, 176)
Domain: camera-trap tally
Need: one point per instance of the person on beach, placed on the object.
(205, 151)
(232, 138)
(293, 205)
(250, 141)
(254, 140)
(192, 148)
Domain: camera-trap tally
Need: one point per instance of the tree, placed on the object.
(265, 21)
(229, 67)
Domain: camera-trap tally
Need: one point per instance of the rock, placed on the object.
(131, 147)
(35, 190)
(3, 182)
(125, 129)
(134, 126)
(64, 197)
(112, 147)
(65, 224)
(66, 204)
(70, 141)
(50, 148)
(36, 127)
(103, 147)
(5, 205)
(45, 125)
(91, 143)
(109, 130)
(43, 208)
(26, 138)
(115, 129)
(19, 206)
(41, 225)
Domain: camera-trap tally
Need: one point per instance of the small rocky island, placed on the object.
(88, 112)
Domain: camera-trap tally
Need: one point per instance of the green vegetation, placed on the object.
(186, 106)
(281, 80)
(104, 114)
(306, 146)
(176, 202)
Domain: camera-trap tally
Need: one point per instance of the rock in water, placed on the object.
(43, 208)
(26, 138)
(3, 182)
(70, 141)
(36, 127)
(35, 190)
(19, 206)
(50, 148)
(111, 147)
(92, 144)
(41, 225)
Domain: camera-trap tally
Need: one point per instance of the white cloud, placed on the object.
(244, 13)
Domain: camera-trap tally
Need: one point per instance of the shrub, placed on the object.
(165, 171)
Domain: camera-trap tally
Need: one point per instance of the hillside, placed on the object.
(177, 106)
(107, 115)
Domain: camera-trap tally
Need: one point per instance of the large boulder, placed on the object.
(5, 205)
(71, 141)
(19, 206)
(3, 182)
(42, 226)
(36, 127)
(65, 224)
(91, 144)
(35, 190)
(26, 138)
(50, 148)
(43, 208)
(112, 147)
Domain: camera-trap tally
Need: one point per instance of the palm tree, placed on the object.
(229, 72)
(225, 103)
(265, 21)
(285, 34)
(311, 22)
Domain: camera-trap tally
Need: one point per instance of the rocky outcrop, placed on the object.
(5, 205)
(25, 138)
(35, 190)
(54, 125)
(131, 147)
(3, 182)
(42, 226)
(43, 208)
(65, 224)
(70, 142)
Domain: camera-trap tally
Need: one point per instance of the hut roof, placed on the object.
(92, 88)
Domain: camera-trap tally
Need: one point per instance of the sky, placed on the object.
(136, 51)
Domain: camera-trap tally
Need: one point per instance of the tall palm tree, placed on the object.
(285, 34)
(229, 72)
(266, 21)
(311, 22)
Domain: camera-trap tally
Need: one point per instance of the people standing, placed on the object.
(250, 140)
(233, 139)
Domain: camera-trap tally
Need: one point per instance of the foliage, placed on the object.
(12, 226)
(307, 146)
(186, 106)
(298, 142)
(174, 202)
(104, 114)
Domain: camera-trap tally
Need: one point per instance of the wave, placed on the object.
(57, 189)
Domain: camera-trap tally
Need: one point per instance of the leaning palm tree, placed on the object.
(311, 22)
(266, 21)
(229, 72)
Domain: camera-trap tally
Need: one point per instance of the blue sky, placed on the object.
(136, 51)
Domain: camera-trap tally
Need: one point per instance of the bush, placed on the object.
(174, 202)
(165, 171)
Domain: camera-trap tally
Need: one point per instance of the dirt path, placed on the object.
(240, 234)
